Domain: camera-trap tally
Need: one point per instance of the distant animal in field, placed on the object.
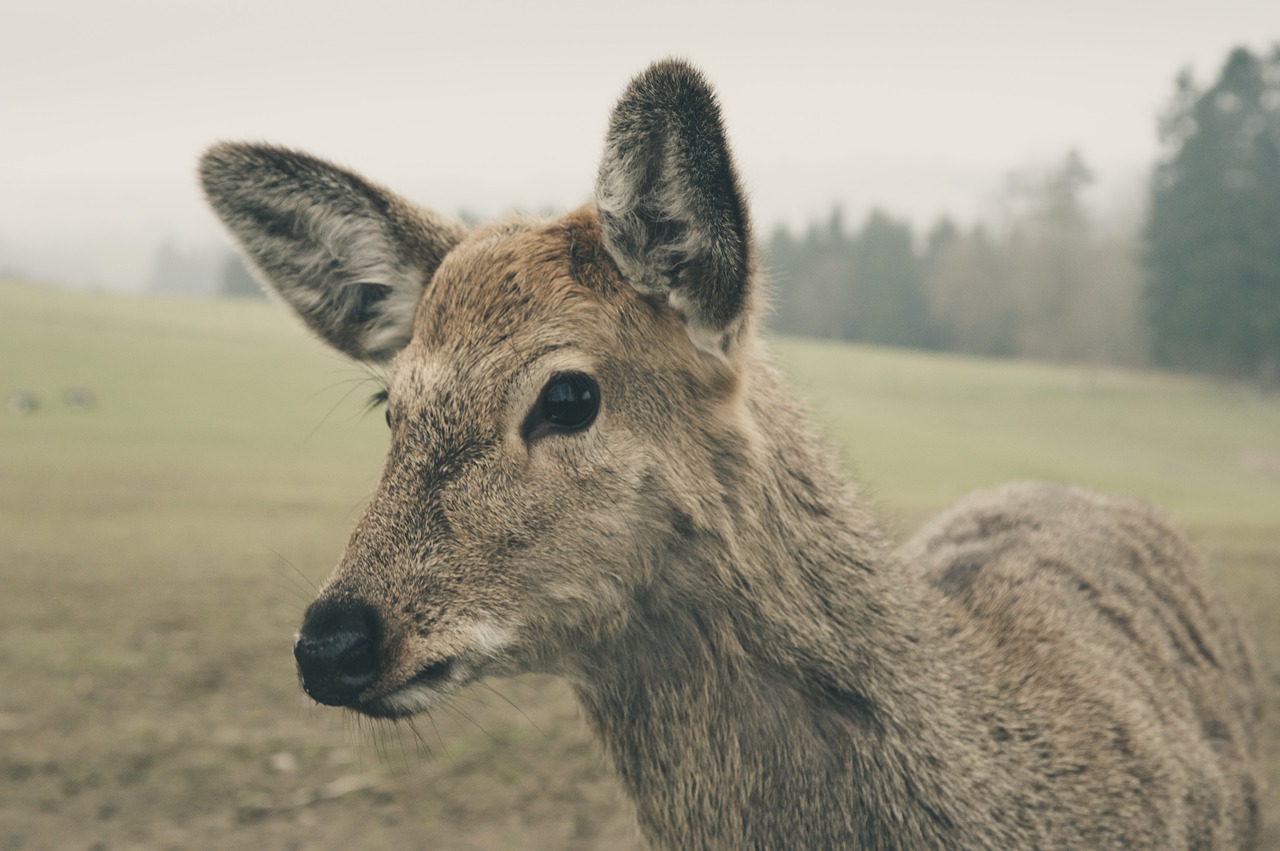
(22, 403)
(596, 471)
(80, 398)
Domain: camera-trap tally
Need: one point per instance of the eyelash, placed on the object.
(377, 400)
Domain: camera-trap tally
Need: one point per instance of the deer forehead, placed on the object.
(524, 291)
(511, 285)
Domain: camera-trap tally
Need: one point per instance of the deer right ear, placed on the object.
(349, 257)
(672, 214)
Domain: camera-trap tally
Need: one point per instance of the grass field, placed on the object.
(157, 551)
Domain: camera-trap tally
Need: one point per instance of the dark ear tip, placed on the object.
(671, 78)
(670, 90)
(221, 161)
(220, 155)
(674, 67)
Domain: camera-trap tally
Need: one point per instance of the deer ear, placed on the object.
(348, 256)
(671, 211)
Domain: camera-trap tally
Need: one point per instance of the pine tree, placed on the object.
(888, 296)
(1213, 238)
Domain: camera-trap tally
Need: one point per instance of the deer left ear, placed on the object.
(350, 257)
(671, 210)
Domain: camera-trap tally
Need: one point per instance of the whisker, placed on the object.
(355, 379)
(356, 383)
(509, 702)
(380, 741)
(307, 590)
(432, 721)
(424, 750)
(398, 728)
(451, 707)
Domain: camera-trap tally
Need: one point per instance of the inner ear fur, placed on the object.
(350, 257)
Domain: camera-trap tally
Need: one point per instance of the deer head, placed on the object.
(559, 394)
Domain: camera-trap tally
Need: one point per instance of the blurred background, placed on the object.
(1005, 241)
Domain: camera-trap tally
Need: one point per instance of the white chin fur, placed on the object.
(413, 699)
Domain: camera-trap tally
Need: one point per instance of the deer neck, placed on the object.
(783, 686)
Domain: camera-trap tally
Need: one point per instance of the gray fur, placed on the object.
(1040, 667)
(350, 257)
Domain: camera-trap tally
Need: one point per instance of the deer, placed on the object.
(596, 471)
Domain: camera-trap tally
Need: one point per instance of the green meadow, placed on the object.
(157, 551)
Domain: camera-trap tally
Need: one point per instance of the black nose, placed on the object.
(337, 651)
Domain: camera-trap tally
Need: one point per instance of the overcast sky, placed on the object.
(917, 105)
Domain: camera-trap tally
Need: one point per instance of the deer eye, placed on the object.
(388, 413)
(569, 402)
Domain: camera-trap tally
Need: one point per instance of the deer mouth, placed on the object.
(433, 674)
(479, 651)
(419, 693)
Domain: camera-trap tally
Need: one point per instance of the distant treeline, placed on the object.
(1195, 285)
(1048, 280)
(201, 273)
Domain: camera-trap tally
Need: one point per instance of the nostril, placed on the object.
(337, 651)
(357, 657)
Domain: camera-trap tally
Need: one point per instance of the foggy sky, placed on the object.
(919, 107)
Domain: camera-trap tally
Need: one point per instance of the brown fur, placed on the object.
(1039, 667)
